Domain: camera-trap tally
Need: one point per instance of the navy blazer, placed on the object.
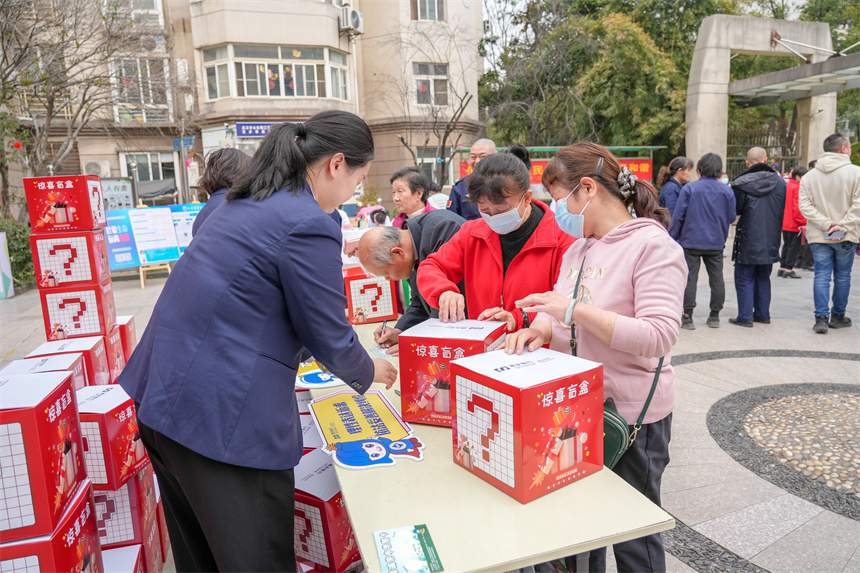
(703, 214)
(259, 287)
(212, 203)
(459, 200)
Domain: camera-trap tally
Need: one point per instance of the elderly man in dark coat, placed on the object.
(760, 197)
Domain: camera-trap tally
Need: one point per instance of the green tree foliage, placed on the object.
(20, 256)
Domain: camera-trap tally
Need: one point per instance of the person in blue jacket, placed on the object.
(700, 224)
(258, 291)
(459, 198)
(223, 166)
(670, 180)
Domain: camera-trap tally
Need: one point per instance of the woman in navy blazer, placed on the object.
(258, 290)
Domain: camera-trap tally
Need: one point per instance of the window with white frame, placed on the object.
(429, 161)
(146, 13)
(428, 10)
(431, 83)
(153, 166)
(142, 89)
(339, 76)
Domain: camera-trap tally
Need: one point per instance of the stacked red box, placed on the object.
(369, 298)
(426, 352)
(72, 546)
(127, 333)
(115, 353)
(323, 532)
(60, 204)
(73, 363)
(41, 455)
(127, 559)
(126, 516)
(111, 438)
(163, 535)
(65, 260)
(93, 350)
(530, 423)
(153, 559)
(85, 310)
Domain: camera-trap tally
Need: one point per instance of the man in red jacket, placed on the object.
(792, 221)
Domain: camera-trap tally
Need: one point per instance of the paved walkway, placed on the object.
(730, 517)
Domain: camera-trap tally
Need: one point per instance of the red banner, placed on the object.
(642, 168)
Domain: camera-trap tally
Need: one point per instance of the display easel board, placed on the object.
(368, 298)
(62, 203)
(73, 363)
(528, 423)
(128, 334)
(93, 349)
(123, 559)
(114, 449)
(323, 532)
(70, 259)
(72, 312)
(41, 454)
(115, 353)
(426, 352)
(72, 546)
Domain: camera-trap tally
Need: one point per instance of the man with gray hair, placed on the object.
(459, 199)
(760, 197)
(396, 253)
(830, 201)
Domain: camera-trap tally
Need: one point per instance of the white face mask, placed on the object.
(504, 223)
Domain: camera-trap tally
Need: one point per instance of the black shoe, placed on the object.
(713, 322)
(790, 275)
(687, 322)
(763, 320)
(839, 321)
(780, 272)
(744, 323)
(810, 269)
(820, 325)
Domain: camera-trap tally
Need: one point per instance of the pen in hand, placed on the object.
(382, 333)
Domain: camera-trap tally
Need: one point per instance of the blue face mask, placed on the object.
(725, 180)
(504, 223)
(573, 225)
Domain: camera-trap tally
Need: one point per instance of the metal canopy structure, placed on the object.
(836, 74)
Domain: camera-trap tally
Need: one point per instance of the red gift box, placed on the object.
(129, 337)
(322, 530)
(426, 352)
(163, 535)
(59, 204)
(124, 516)
(41, 455)
(530, 423)
(73, 312)
(369, 299)
(72, 546)
(73, 363)
(127, 559)
(153, 562)
(69, 259)
(115, 353)
(111, 438)
(93, 349)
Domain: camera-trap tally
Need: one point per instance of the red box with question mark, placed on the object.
(93, 349)
(111, 438)
(73, 363)
(162, 520)
(426, 352)
(323, 533)
(528, 424)
(368, 298)
(128, 334)
(41, 454)
(115, 353)
(126, 516)
(84, 310)
(65, 203)
(68, 259)
(72, 546)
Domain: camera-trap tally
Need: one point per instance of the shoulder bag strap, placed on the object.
(575, 294)
(648, 401)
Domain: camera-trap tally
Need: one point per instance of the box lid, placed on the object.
(124, 319)
(28, 390)
(527, 369)
(101, 399)
(121, 559)
(54, 362)
(461, 330)
(68, 345)
(315, 475)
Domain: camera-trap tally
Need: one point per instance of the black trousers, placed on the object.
(790, 248)
(222, 517)
(714, 265)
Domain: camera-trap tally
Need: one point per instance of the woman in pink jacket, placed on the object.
(626, 313)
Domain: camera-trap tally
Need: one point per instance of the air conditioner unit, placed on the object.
(351, 20)
(100, 168)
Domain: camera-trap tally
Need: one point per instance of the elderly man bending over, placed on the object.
(396, 253)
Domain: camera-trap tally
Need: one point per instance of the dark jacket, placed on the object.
(429, 232)
(669, 194)
(459, 200)
(254, 292)
(702, 216)
(760, 197)
(214, 200)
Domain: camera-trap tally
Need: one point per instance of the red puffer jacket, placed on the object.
(792, 220)
(474, 255)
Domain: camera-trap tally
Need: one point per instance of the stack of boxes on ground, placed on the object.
(78, 488)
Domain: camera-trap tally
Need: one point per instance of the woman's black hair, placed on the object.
(520, 151)
(710, 165)
(285, 154)
(415, 178)
(379, 216)
(680, 163)
(223, 167)
(799, 171)
(497, 177)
